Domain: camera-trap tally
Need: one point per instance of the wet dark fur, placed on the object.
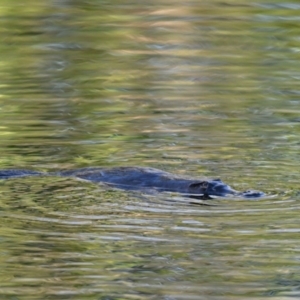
(133, 178)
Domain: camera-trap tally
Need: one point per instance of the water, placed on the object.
(201, 88)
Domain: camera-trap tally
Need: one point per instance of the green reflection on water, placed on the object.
(195, 88)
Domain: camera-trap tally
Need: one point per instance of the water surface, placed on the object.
(200, 89)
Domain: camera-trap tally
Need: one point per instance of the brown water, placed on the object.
(203, 88)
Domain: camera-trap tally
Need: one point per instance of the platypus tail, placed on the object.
(5, 174)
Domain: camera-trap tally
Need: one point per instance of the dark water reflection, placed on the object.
(201, 89)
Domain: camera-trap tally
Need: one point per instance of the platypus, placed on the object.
(143, 178)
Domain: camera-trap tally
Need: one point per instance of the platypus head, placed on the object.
(208, 188)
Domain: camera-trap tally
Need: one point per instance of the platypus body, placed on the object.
(139, 178)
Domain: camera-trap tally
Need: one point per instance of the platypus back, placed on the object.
(132, 178)
(5, 174)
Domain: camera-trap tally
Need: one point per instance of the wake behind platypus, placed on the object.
(139, 178)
